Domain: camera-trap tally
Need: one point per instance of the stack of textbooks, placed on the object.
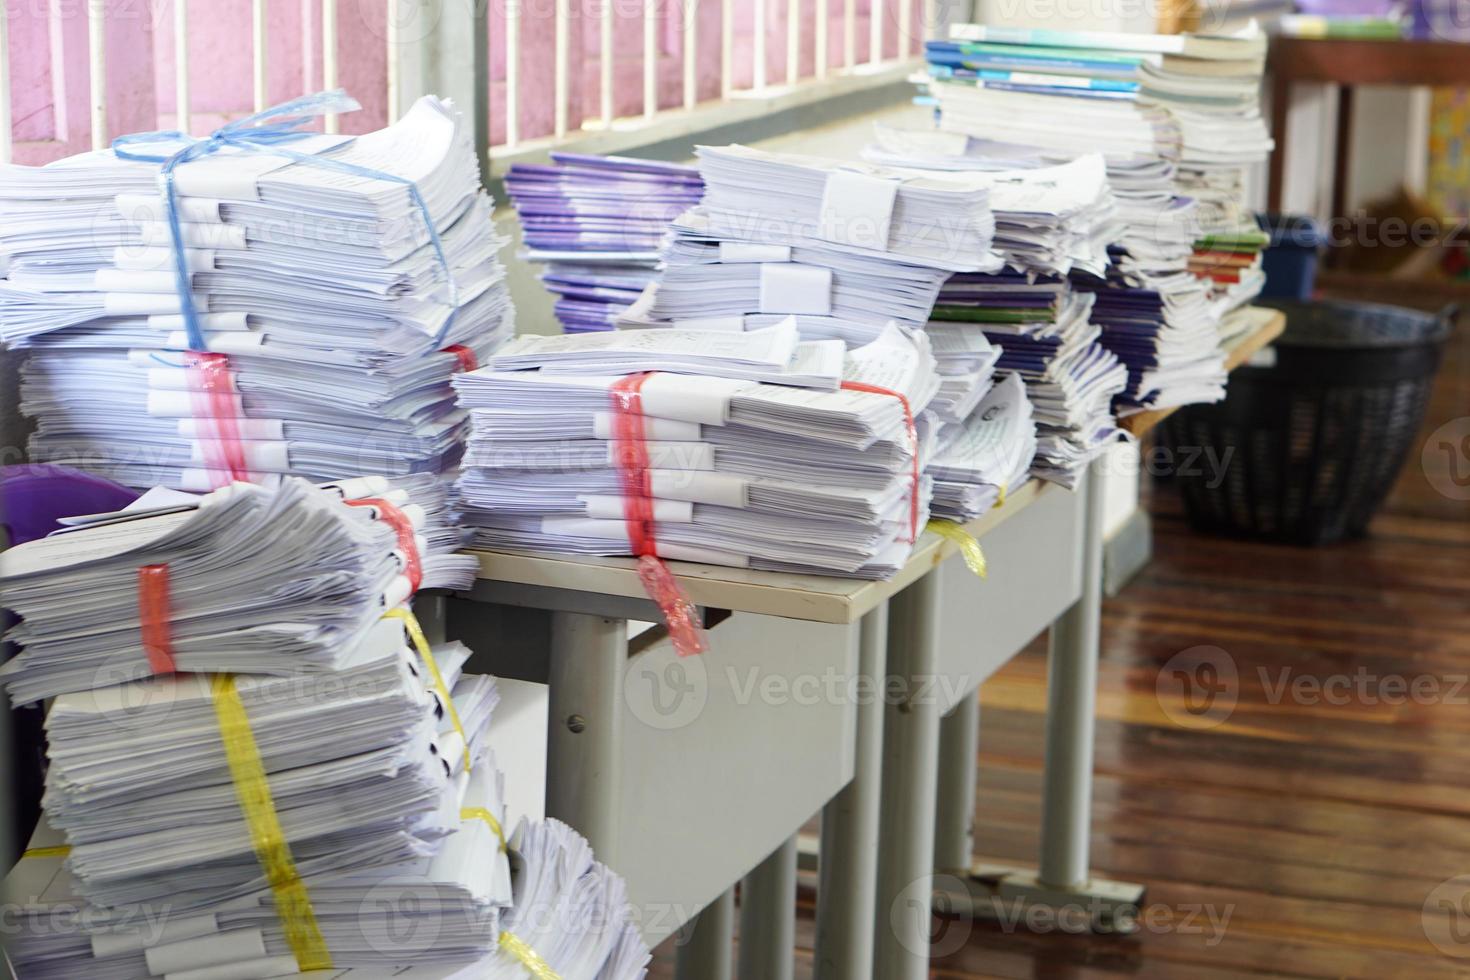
(1177, 120)
(258, 766)
(749, 449)
(330, 286)
(597, 224)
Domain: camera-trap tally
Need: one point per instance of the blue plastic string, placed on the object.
(265, 132)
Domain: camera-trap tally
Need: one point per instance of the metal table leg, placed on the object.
(954, 828)
(848, 869)
(705, 953)
(768, 917)
(910, 759)
(584, 726)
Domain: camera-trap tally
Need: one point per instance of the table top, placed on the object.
(1355, 61)
(815, 598)
(1263, 327)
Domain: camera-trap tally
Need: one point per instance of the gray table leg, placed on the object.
(584, 727)
(768, 917)
(954, 829)
(1071, 696)
(848, 870)
(910, 758)
(705, 953)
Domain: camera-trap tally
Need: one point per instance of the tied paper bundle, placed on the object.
(702, 465)
(598, 223)
(846, 249)
(269, 581)
(290, 303)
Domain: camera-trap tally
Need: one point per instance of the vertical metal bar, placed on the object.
(821, 39)
(563, 15)
(605, 64)
(650, 58)
(875, 32)
(848, 867)
(759, 55)
(1071, 705)
(954, 826)
(727, 48)
(258, 53)
(5, 91)
(905, 27)
(394, 60)
(705, 953)
(97, 56)
(329, 58)
(768, 917)
(849, 34)
(585, 727)
(512, 72)
(910, 759)
(181, 65)
(793, 41)
(691, 40)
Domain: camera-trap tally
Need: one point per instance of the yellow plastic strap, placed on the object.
(59, 851)
(535, 965)
(293, 904)
(1001, 501)
(421, 643)
(480, 813)
(969, 547)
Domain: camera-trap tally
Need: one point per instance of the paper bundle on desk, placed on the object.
(783, 475)
(980, 459)
(331, 309)
(598, 224)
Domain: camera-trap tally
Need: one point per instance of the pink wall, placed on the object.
(50, 65)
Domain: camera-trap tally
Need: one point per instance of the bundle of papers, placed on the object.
(571, 910)
(333, 315)
(1043, 329)
(269, 581)
(738, 472)
(598, 224)
(979, 460)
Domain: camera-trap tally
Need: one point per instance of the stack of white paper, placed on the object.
(270, 581)
(980, 460)
(738, 472)
(339, 322)
(598, 223)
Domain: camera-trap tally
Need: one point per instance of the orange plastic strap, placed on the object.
(908, 420)
(213, 395)
(467, 359)
(389, 514)
(153, 617)
(630, 457)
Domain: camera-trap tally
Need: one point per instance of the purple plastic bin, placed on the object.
(34, 495)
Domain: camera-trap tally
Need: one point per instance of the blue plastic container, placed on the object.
(1291, 259)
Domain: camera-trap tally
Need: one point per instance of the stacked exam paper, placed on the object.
(598, 223)
(324, 292)
(978, 461)
(738, 472)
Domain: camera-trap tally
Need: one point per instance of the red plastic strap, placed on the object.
(389, 514)
(213, 397)
(467, 359)
(908, 420)
(153, 617)
(630, 457)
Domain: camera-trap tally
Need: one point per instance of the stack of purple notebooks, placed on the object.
(597, 223)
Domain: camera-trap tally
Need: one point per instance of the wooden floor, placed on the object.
(1315, 826)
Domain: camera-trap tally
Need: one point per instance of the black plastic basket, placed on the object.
(1306, 449)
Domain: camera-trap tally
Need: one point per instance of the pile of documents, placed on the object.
(980, 459)
(1043, 330)
(598, 224)
(1177, 121)
(740, 449)
(845, 248)
(335, 292)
